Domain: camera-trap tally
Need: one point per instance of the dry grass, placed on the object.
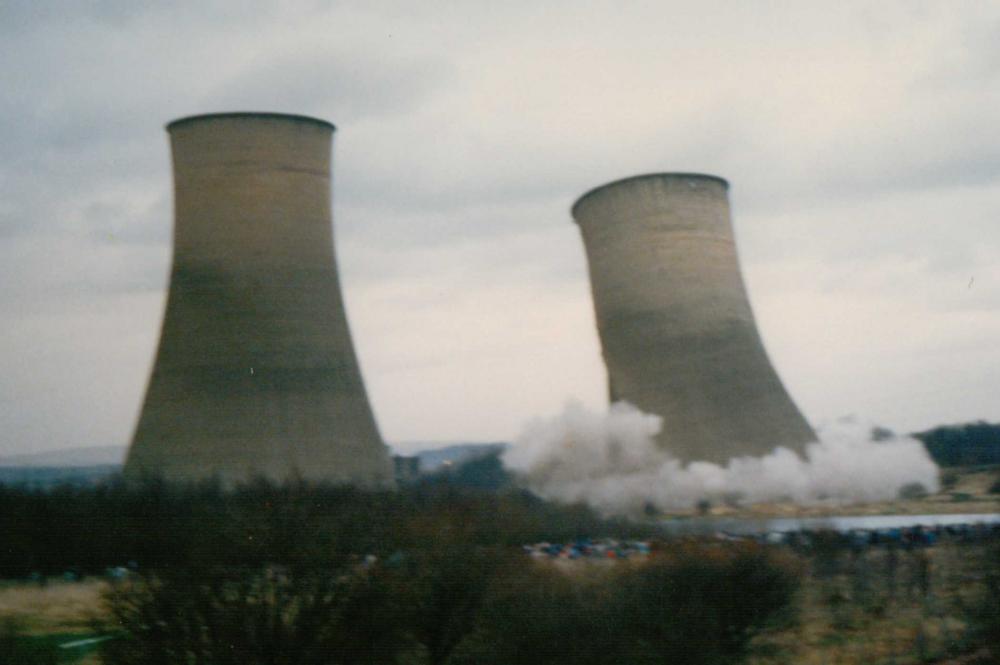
(858, 616)
(57, 607)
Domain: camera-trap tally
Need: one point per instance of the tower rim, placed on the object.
(645, 176)
(268, 115)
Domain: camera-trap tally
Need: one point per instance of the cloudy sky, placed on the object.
(861, 140)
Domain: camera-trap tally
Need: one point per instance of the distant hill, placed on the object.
(46, 477)
(77, 466)
(75, 457)
(89, 465)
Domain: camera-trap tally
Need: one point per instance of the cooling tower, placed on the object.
(255, 374)
(676, 328)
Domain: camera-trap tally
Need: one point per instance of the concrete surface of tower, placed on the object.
(676, 328)
(255, 374)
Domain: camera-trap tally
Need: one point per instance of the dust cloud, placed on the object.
(611, 462)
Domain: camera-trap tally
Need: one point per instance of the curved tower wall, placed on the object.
(676, 328)
(255, 374)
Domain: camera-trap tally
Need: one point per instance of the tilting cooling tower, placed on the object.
(676, 329)
(255, 374)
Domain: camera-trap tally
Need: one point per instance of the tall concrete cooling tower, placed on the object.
(255, 374)
(676, 329)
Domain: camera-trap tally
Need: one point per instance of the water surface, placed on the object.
(843, 523)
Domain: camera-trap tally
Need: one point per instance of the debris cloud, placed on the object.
(611, 462)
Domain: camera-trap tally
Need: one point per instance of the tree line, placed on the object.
(157, 525)
(971, 444)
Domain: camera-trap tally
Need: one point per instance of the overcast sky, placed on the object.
(861, 141)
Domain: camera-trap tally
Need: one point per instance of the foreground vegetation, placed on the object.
(436, 574)
(884, 606)
(431, 574)
(457, 605)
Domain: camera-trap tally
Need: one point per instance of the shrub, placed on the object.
(703, 603)
(911, 491)
(254, 617)
(456, 603)
(696, 604)
(539, 615)
(445, 587)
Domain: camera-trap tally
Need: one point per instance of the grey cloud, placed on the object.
(114, 223)
(47, 273)
(949, 229)
(23, 16)
(342, 85)
(546, 258)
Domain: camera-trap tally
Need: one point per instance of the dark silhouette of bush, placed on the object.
(451, 602)
(540, 615)
(445, 587)
(912, 491)
(694, 603)
(698, 603)
(264, 616)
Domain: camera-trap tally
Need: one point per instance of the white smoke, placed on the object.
(611, 462)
